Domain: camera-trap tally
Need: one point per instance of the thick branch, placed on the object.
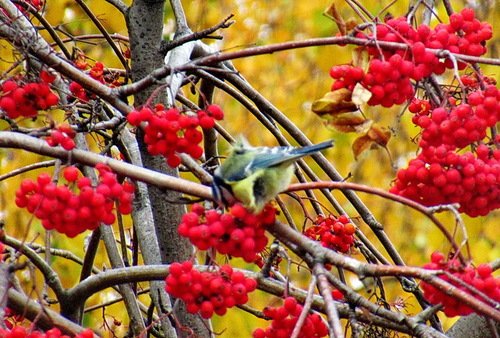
(14, 140)
(45, 318)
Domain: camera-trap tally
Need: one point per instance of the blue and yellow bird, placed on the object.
(256, 175)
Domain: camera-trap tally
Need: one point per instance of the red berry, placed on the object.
(70, 174)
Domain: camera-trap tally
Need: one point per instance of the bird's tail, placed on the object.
(312, 149)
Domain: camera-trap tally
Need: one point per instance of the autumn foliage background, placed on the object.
(292, 80)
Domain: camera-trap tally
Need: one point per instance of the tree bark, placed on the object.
(145, 24)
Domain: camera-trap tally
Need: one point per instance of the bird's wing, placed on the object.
(270, 157)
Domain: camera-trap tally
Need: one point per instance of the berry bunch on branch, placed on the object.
(443, 171)
(76, 206)
(19, 98)
(476, 281)
(284, 320)
(168, 132)
(208, 292)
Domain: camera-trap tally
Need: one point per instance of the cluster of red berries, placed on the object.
(96, 72)
(474, 82)
(36, 4)
(285, 318)
(439, 175)
(22, 332)
(63, 135)
(208, 292)
(479, 278)
(336, 233)
(18, 99)
(389, 72)
(464, 35)
(71, 213)
(170, 131)
(238, 233)
(460, 124)
(388, 81)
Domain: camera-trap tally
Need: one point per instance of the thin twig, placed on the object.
(34, 166)
(305, 310)
(105, 33)
(335, 328)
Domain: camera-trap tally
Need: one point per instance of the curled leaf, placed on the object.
(335, 102)
(333, 13)
(375, 136)
(360, 145)
(348, 122)
(380, 135)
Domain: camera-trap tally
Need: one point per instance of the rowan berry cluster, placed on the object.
(21, 5)
(26, 99)
(439, 175)
(388, 81)
(96, 72)
(472, 82)
(479, 278)
(168, 132)
(208, 292)
(72, 212)
(285, 318)
(442, 175)
(458, 125)
(63, 135)
(464, 35)
(336, 233)
(389, 72)
(238, 233)
(22, 332)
